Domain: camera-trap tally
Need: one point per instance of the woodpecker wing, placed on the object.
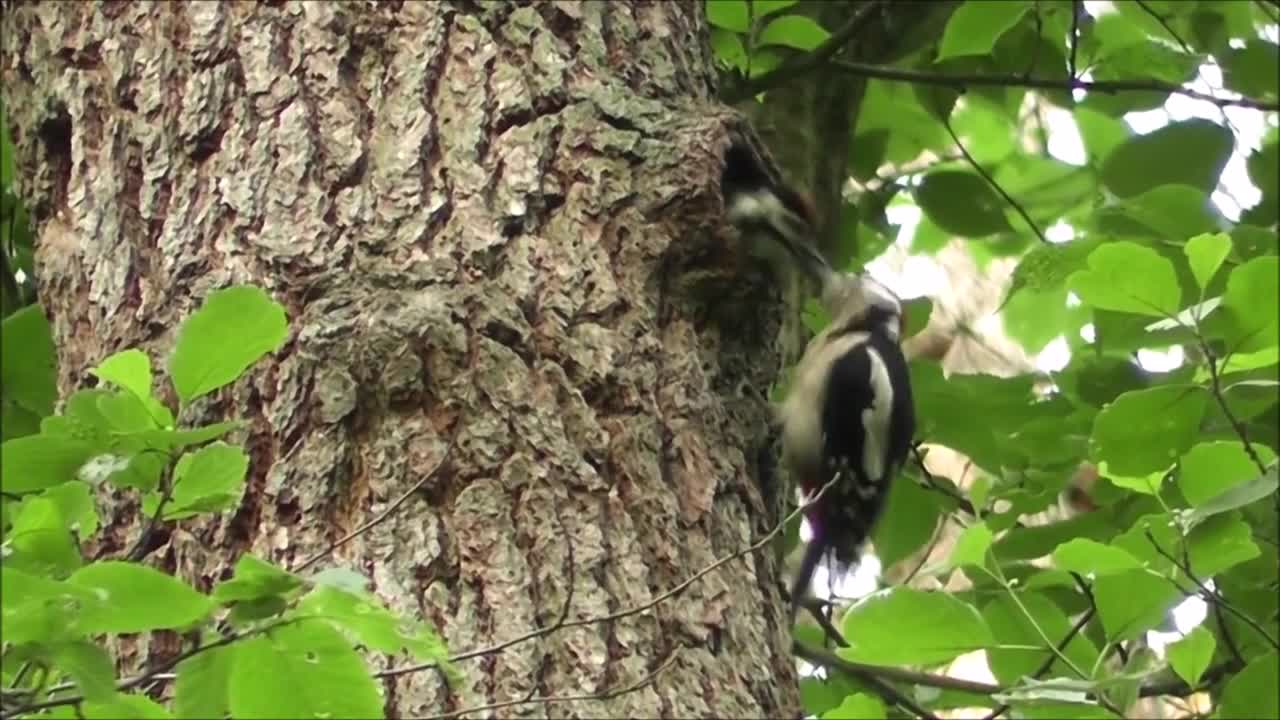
(868, 397)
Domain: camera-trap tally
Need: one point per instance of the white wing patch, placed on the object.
(875, 419)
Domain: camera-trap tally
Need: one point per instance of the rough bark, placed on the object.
(491, 224)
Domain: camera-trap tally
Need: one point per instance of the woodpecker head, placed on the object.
(859, 302)
(756, 202)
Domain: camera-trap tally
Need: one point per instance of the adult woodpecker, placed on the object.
(849, 409)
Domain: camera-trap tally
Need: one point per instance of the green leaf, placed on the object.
(1088, 557)
(915, 313)
(208, 480)
(1146, 430)
(125, 412)
(1011, 626)
(1236, 497)
(1252, 693)
(1205, 253)
(1166, 212)
(174, 439)
(910, 516)
(1190, 152)
(234, 328)
(858, 706)
(762, 8)
(6, 153)
(1100, 132)
(373, 625)
(340, 578)
(796, 31)
(40, 539)
(129, 369)
(729, 14)
(1130, 603)
(254, 579)
(902, 626)
(200, 690)
(1190, 656)
(325, 676)
(1250, 305)
(90, 666)
(1264, 171)
(1211, 468)
(1049, 709)
(972, 545)
(136, 598)
(125, 707)
(28, 363)
(1034, 318)
(75, 503)
(962, 203)
(728, 49)
(1128, 277)
(976, 25)
(37, 608)
(1252, 70)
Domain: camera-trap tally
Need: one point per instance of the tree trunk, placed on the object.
(496, 231)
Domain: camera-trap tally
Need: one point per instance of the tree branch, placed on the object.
(145, 677)
(959, 81)
(1062, 645)
(1210, 595)
(800, 64)
(1215, 388)
(1165, 24)
(828, 659)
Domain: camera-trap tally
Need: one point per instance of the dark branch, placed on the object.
(1210, 595)
(800, 64)
(959, 81)
(1026, 217)
(1165, 24)
(886, 691)
(1062, 645)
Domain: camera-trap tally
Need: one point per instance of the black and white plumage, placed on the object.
(849, 409)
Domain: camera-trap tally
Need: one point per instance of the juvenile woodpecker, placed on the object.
(849, 409)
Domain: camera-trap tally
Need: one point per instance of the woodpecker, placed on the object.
(849, 410)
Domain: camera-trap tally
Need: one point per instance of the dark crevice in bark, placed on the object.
(55, 136)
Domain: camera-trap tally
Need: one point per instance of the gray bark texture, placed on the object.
(496, 230)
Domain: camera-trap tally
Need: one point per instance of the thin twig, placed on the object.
(1077, 7)
(886, 691)
(1062, 645)
(992, 182)
(1165, 24)
(139, 549)
(1268, 11)
(1208, 594)
(1179, 687)
(1215, 388)
(924, 556)
(148, 676)
(391, 509)
(642, 683)
(801, 64)
(634, 610)
(960, 81)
